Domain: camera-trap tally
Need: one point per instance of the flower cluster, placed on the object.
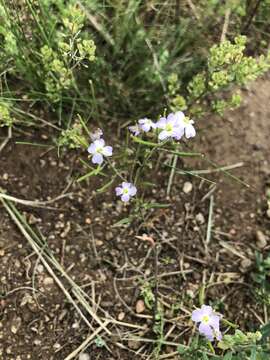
(208, 322)
(98, 150)
(174, 126)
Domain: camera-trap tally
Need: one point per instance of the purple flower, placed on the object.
(146, 124)
(209, 322)
(96, 135)
(126, 191)
(135, 129)
(172, 126)
(98, 150)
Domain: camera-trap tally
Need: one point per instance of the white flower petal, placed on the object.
(107, 151)
(164, 135)
(97, 159)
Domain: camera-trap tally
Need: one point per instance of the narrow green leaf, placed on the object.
(106, 186)
(93, 172)
(183, 153)
(144, 142)
(122, 222)
(155, 205)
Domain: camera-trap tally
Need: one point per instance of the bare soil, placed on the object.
(112, 265)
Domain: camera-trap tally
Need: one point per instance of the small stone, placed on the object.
(140, 307)
(16, 324)
(268, 213)
(132, 344)
(48, 281)
(121, 316)
(245, 264)
(37, 342)
(84, 356)
(2, 252)
(5, 176)
(99, 243)
(40, 268)
(88, 221)
(200, 218)
(187, 188)
(261, 240)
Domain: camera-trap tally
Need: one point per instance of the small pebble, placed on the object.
(245, 264)
(121, 316)
(187, 188)
(140, 307)
(200, 218)
(48, 281)
(84, 356)
(261, 240)
(132, 344)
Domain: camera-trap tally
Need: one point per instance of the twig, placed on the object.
(96, 25)
(210, 220)
(86, 342)
(155, 307)
(225, 25)
(36, 243)
(252, 15)
(4, 143)
(193, 9)
(36, 248)
(35, 203)
(174, 163)
(218, 169)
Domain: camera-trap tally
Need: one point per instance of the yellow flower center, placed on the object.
(125, 191)
(186, 120)
(169, 127)
(205, 319)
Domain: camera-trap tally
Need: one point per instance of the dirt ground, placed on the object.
(113, 266)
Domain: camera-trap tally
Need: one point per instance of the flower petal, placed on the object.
(178, 132)
(214, 321)
(97, 159)
(190, 131)
(197, 315)
(125, 197)
(145, 127)
(132, 190)
(118, 190)
(107, 151)
(92, 148)
(163, 135)
(179, 115)
(161, 123)
(206, 310)
(206, 331)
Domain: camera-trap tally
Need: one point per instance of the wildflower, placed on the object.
(146, 124)
(98, 150)
(126, 191)
(172, 126)
(135, 129)
(96, 135)
(209, 322)
(189, 128)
